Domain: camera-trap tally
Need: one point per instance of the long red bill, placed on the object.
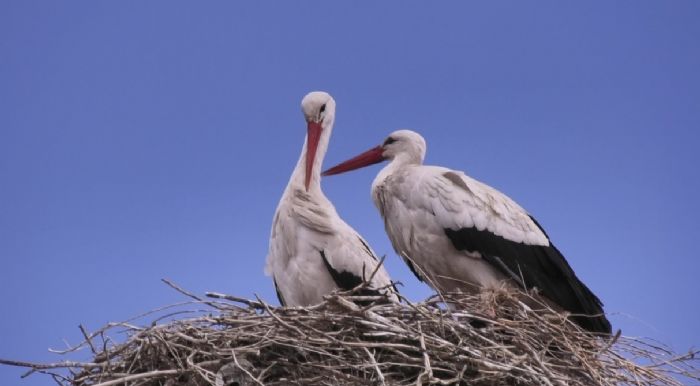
(313, 135)
(370, 157)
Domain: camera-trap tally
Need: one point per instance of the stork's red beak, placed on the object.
(370, 157)
(313, 135)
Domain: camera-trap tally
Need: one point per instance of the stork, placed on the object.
(312, 251)
(455, 232)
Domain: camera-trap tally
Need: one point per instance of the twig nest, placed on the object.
(503, 338)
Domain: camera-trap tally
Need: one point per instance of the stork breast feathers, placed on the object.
(312, 214)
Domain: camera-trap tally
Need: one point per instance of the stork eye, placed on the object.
(389, 141)
(323, 108)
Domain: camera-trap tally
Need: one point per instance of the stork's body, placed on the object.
(313, 252)
(458, 233)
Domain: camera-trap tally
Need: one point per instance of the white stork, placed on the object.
(313, 252)
(464, 234)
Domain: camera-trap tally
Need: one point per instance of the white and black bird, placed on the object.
(313, 252)
(463, 234)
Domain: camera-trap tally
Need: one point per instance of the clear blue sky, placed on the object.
(142, 140)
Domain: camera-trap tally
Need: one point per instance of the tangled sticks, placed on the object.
(496, 339)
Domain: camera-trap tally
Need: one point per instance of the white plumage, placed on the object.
(458, 233)
(312, 250)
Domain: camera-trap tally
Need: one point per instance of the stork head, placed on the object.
(319, 111)
(404, 143)
(405, 146)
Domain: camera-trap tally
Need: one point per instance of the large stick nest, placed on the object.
(497, 338)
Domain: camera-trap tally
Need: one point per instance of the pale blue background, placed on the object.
(142, 140)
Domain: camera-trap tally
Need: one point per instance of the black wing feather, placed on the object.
(543, 267)
(279, 294)
(347, 280)
(344, 280)
(413, 269)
